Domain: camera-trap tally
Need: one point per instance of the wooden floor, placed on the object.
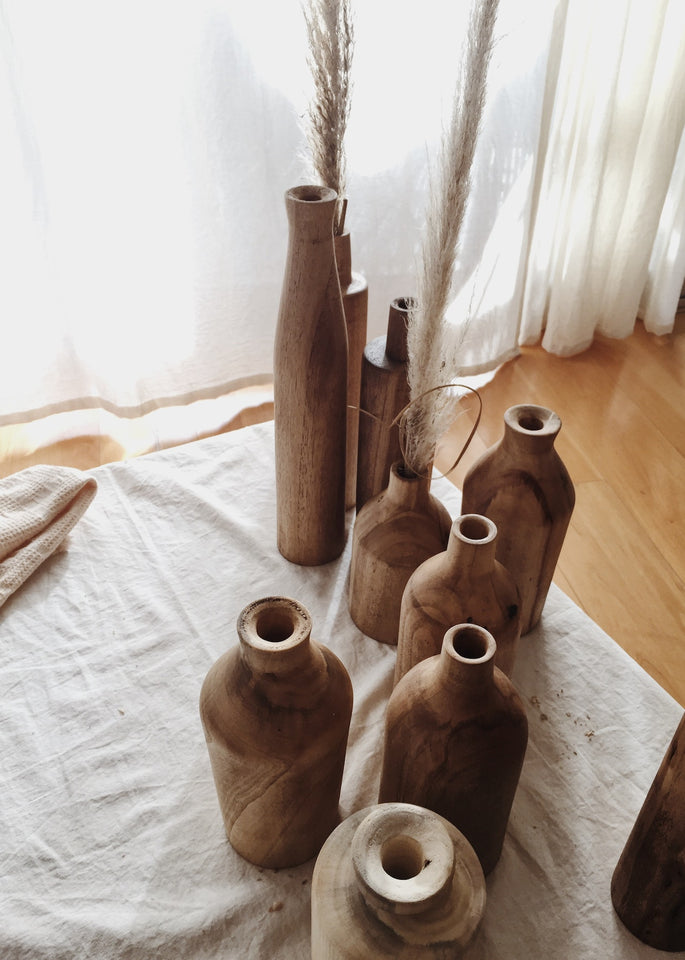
(622, 404)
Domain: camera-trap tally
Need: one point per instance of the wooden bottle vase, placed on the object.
(310, 386)
(455, 738)
(464, 584)
(355, 297)
(384, 393)
(276, 712)
(523, 486)
(393, 533)
(648, 884)
(395, 882)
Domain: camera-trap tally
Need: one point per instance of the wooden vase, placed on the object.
(384, 393)
(393, 533)
(276, 712)
(310, 386)
(395, 882)
(648, 884)
(455, 737)
(522, 484)
(464, 584)
(355, 297)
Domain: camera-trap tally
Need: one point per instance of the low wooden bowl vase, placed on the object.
(276, 712)
(464, 584)
(393, 533)
(455, 737)
(395, 882)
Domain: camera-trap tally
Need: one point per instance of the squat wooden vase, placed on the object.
(276, 712)
(522, 484)
(310, 386)
(455, 737)
(393, 533)
(355, 297)
(464, 584)
(395, 882)
(648, 885)
(384, 393)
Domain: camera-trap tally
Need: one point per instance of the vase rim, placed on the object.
(474, 529)
(274, 623)
(469, 644)
(311, 193)
(532, 420)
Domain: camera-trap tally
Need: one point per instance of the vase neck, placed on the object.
(406, 489)
(343, 258)
(472, 544)
(467, 664)
(396, 340)
(310, 211)
(530, 429)
(403, 860)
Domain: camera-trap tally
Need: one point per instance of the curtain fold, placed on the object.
(147, 147)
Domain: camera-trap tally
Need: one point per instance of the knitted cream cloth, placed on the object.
(38, 508)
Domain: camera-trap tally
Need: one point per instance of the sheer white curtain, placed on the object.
(147, 145)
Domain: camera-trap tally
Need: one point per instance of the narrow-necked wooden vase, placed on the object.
(393, 533)
(395, 882)
(463, 584)
(276, 712)
(522, 485)
(455, 738)
(310, 386)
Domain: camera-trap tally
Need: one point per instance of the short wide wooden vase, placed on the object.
(395, 882)
(276, 713)
(648, 885)
(393, 533)
(310, 386)
(464, 584)
(522, 485)
(455, 737)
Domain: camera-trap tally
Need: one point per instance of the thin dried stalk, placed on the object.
(330, 35)
(431, 361)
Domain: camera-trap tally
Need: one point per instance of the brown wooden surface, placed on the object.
(622, 403)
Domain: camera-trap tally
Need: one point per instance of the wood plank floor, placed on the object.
(622, 405)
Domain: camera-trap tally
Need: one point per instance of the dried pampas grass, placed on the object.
(330, 36)
(433, 359)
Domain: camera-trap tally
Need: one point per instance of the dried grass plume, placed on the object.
(433, 360)
(330, 36)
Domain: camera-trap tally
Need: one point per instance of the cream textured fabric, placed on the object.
(38, 508)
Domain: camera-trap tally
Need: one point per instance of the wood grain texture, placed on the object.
(648, 884)
(276, 712)
(310, 386)
(521, 484)
(396, 882)
(355, 297)
(464, 584)
(393, 533)
(455, 738)
(384, 393)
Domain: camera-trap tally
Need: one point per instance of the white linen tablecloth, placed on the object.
(111, 839)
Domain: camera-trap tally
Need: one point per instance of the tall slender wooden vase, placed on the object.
(464, 584)
(522, 484)
(276, 712)
(393, 533)
(384, 393)
(648, 885)
(355, 296)
(455, 737)
(310, 386)
(396, 882)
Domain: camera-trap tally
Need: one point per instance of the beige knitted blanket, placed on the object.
(38, 508)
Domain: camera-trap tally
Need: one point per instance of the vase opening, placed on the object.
(530, 422)
(405, 303)
(402, 857)
(474, 528)
(471, 643)
(275, 626)
(406, 472)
